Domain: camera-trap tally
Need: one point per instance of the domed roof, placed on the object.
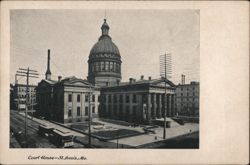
(105, 44)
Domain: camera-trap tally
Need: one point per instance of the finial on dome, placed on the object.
(105, 28)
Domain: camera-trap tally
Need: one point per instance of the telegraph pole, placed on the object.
(28, 73)
(165, 71)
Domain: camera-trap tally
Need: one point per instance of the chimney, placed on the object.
(48, 72)
(107, 83)
(142, 77)
(59, 78)
(130, 80)
(182, 79)
(149, 78)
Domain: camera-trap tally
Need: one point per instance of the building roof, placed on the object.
(140, 82)
(105, 44)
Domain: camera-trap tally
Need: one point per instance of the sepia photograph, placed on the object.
(104, 79)
(124, 82)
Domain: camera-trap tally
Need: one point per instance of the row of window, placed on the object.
(191, 88)
(105, 66)
(79, 98)
(188, 99)
(78, 111)
(24, 89)
(187, 94)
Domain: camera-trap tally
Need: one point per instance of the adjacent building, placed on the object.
(19, 96)
(187, 99)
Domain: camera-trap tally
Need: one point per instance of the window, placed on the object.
(134, 111)
(93, 98)
(107, 66)
(69, 112)
(114, 66)
(70, 98)
(99, 98)
(78, 111)
(102, 66)
(86, 111)
(111, 66)
(93, 109)
(110, 98)
(78, 98)
(127, 110)
(134, 98)
(127, 99)
(115, 99)
(86, 98)
(120, 99)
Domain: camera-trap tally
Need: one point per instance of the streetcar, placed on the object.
(62, 139)
(45, 130)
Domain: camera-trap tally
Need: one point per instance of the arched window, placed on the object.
(106, 66)
(114, 66)
(102, 66)
(111, 66)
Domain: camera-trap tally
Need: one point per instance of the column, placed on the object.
(130, 117)
(106, 106)
(124, 106)
(149, 105)
(153, 112)
(159, 107)
(169, 105)
(173, 105)
(111, 105)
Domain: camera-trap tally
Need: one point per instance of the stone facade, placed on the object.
(68, 100)
(138, 101)
(19, 96)
(187, 99)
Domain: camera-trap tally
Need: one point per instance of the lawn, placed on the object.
(113, 134)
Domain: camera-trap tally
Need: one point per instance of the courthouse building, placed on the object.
(133, 101)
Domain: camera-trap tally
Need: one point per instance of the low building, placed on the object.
(138, 101)
(19, 95)
(187, 99)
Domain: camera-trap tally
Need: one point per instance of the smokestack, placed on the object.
(48, 72)
(149, 78)
(142, 77)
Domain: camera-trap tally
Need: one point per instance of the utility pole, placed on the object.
(165, 71)
(28, 73)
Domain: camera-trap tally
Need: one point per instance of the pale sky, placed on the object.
(141, 36)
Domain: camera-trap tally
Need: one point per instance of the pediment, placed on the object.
(77, 83)
(161, 83)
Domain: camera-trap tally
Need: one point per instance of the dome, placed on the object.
(105, 45)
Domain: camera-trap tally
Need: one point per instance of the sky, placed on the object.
(141, 36)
